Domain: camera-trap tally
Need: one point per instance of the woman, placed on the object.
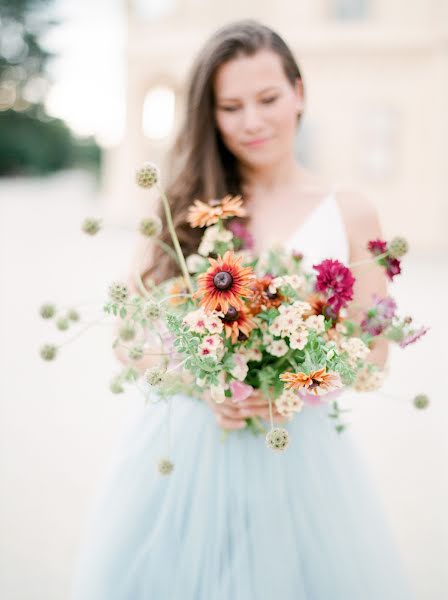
(233, 520)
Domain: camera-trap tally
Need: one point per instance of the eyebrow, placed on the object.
(271, 87)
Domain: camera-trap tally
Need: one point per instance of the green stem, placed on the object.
(175, 239)
(167, 249)
(138, 274)
(368, 260)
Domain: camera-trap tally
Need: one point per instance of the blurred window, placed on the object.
(153, 9)
(346, 10)
(158, 112)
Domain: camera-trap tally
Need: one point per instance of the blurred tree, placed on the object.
(31, 141)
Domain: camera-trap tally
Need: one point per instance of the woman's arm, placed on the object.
(362, 224)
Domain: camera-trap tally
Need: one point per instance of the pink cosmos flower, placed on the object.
(240, 391)
(379, 316)
(336, 281)
(413, 337)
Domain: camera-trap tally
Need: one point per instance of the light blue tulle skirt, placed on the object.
(235, 520)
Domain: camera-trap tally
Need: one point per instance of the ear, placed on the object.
(298, 88)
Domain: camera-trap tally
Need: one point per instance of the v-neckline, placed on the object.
(309, 217)
(289, 240)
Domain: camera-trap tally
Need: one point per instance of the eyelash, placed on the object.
(265, 101)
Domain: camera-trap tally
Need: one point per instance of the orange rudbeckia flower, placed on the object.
(203, 214)
(225, 283)
(237, 322)
(316, 382)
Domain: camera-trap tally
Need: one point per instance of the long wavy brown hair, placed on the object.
(200, 165)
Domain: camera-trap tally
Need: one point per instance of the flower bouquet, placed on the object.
(233, 322)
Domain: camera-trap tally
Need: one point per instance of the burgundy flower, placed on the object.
(392, 267)
(336, 281)
(377, 247)
(240, 231)
(392, 264)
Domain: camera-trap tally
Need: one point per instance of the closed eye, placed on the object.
(269, 100)
(234, 108)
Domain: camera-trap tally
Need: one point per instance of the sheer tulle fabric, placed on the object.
(234, 519)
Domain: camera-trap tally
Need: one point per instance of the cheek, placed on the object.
(227, 127)
(286, 119)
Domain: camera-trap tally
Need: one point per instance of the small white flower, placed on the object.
(240, 368)
(298, 339)
(196, 320)
(316, 322)
(355, 348)
(213, 322)
(211, 345)
(195, 263)
(277, 348)
(217, 393)
(276, 327)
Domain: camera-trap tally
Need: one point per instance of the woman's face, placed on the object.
(256, 108)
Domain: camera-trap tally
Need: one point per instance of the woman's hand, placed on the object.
(233, 415)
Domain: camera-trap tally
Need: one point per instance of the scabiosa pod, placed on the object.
(277, 439)
(116, 386)
(91, 226)
(127, 332)
(151, 310)
(62, 323)
(48, 352)
(136, 352)
(165, 466)
(150, 227)
(118, 292)
(47, 311)
(155, 375)
(398, 247)
(421, 401)
(147, 175)
(73, 315)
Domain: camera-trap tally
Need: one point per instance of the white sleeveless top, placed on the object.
(322, 235)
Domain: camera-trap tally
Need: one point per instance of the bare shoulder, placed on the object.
(359, 213)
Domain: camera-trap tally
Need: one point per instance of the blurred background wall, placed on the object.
(89, 90)
(376, 79)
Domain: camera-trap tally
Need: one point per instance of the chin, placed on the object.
(261, 160)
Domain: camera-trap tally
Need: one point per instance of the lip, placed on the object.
(257, 142)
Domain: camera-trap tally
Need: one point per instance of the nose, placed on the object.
(251, 118)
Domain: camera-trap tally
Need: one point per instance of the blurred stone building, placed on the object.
(376, 78)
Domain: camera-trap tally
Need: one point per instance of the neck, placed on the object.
(267, 179)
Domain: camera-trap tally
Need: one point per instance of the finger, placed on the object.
(227, 423)
(233, 412)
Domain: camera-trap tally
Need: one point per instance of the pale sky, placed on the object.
(88, 90)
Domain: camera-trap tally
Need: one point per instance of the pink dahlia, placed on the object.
(336, 281)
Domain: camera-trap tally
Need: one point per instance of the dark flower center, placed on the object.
(271, 295)
(314, 383)
(232, 314)
(222, 280)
